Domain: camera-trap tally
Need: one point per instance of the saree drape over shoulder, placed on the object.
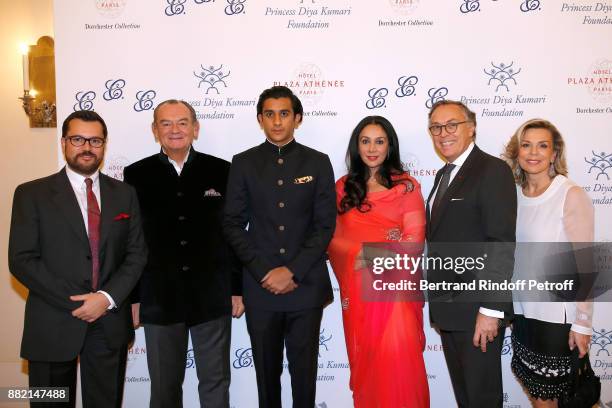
(384, 339)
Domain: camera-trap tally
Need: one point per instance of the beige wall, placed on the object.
(26, 154)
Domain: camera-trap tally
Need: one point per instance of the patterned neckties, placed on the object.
(446, 173)
(93, 227)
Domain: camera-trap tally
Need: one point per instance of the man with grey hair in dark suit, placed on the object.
(191, 285)
(472, 205)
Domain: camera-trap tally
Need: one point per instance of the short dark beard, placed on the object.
(81, 169)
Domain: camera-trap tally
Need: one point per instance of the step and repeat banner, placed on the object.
(509, 60)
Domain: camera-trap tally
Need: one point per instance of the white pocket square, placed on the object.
(457, 199)
(212, 193)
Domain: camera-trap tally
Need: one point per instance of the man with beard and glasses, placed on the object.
(76, 244)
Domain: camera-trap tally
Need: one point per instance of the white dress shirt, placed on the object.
(77, 181)
(177, 166)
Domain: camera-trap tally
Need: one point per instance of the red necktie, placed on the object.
(93, 227)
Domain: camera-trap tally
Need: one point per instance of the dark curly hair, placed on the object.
(389, 174)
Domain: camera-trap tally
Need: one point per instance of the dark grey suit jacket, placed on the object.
(49, 254)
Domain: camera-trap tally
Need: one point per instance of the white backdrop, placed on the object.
(510, 60)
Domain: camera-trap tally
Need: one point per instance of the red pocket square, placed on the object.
(122, 216)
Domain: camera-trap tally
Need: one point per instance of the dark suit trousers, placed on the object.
(167, 360)
(102, 373)
(476, 376)
(299, 331)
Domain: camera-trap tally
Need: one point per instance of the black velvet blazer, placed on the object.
(191, 272)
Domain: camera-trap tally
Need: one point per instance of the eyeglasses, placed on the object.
(79, 141)
(451, 127)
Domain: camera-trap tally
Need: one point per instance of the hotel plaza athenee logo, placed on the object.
(597, 81)
(310, 83)
(110, 8)
(404, 7)
(403, 10)
(114, 165)
(135, 353)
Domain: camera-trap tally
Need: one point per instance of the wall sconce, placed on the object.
(39, 83)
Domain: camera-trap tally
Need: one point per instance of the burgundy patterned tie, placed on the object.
(93, 226)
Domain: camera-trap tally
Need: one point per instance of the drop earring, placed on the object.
(551, 170)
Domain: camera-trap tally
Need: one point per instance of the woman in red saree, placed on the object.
(379, 202)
